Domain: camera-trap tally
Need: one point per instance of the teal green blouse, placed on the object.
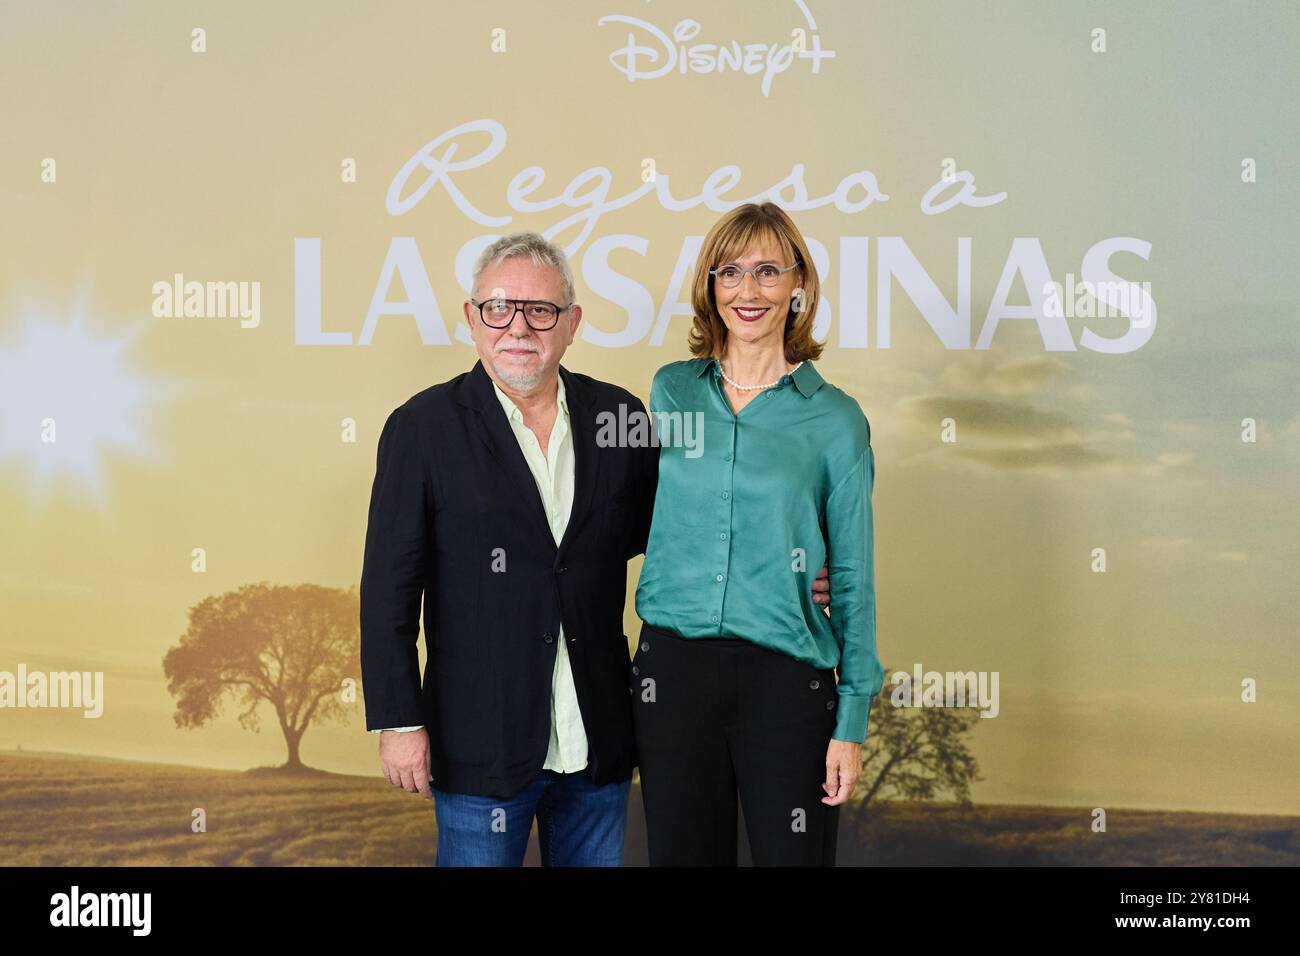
(749, 509)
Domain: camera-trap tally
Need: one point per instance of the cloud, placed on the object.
(1020, 376)
(39, 660)
(1058, 455)
(986, 416)
(1009, 434)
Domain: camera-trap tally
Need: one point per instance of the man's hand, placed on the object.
(405, 759)
(821, 589)
(843, 765)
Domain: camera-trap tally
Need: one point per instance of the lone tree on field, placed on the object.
(291, 647)
(916, 753)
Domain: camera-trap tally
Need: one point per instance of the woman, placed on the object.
(734, 676)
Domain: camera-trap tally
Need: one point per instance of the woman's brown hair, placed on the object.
(731, 236)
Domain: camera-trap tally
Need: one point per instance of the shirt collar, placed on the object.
(512, 410)
(806, 378)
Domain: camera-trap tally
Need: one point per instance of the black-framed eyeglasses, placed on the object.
(765, 274)
(538, 313)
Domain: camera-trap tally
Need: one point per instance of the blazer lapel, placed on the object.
(495, 432)
(586, 455)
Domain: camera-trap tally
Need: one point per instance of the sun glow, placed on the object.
(67, 396)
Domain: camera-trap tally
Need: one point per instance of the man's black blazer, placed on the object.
(456, 518)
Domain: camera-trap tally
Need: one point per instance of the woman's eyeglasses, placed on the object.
(766, 274)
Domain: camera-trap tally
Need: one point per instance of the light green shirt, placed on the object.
(554, 474)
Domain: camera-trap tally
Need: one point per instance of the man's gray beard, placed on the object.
(518, 380)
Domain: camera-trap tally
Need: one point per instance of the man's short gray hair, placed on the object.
(528, 245)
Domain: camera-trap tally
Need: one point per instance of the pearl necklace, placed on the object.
(751, 388)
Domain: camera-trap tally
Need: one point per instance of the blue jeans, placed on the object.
(578, 824)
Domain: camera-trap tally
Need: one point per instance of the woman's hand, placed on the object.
(843, 765)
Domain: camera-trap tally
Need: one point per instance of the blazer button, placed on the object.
(645, 645)
(830, 705)
(560, 570)
(636, 671)
(548, 637)
(814, 684)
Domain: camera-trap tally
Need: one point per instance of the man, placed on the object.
(493, 500)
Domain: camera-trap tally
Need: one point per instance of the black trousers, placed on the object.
(718, 718)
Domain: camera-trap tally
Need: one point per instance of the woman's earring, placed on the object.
(796, 303)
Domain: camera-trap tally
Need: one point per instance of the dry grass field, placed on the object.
(61, 810)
